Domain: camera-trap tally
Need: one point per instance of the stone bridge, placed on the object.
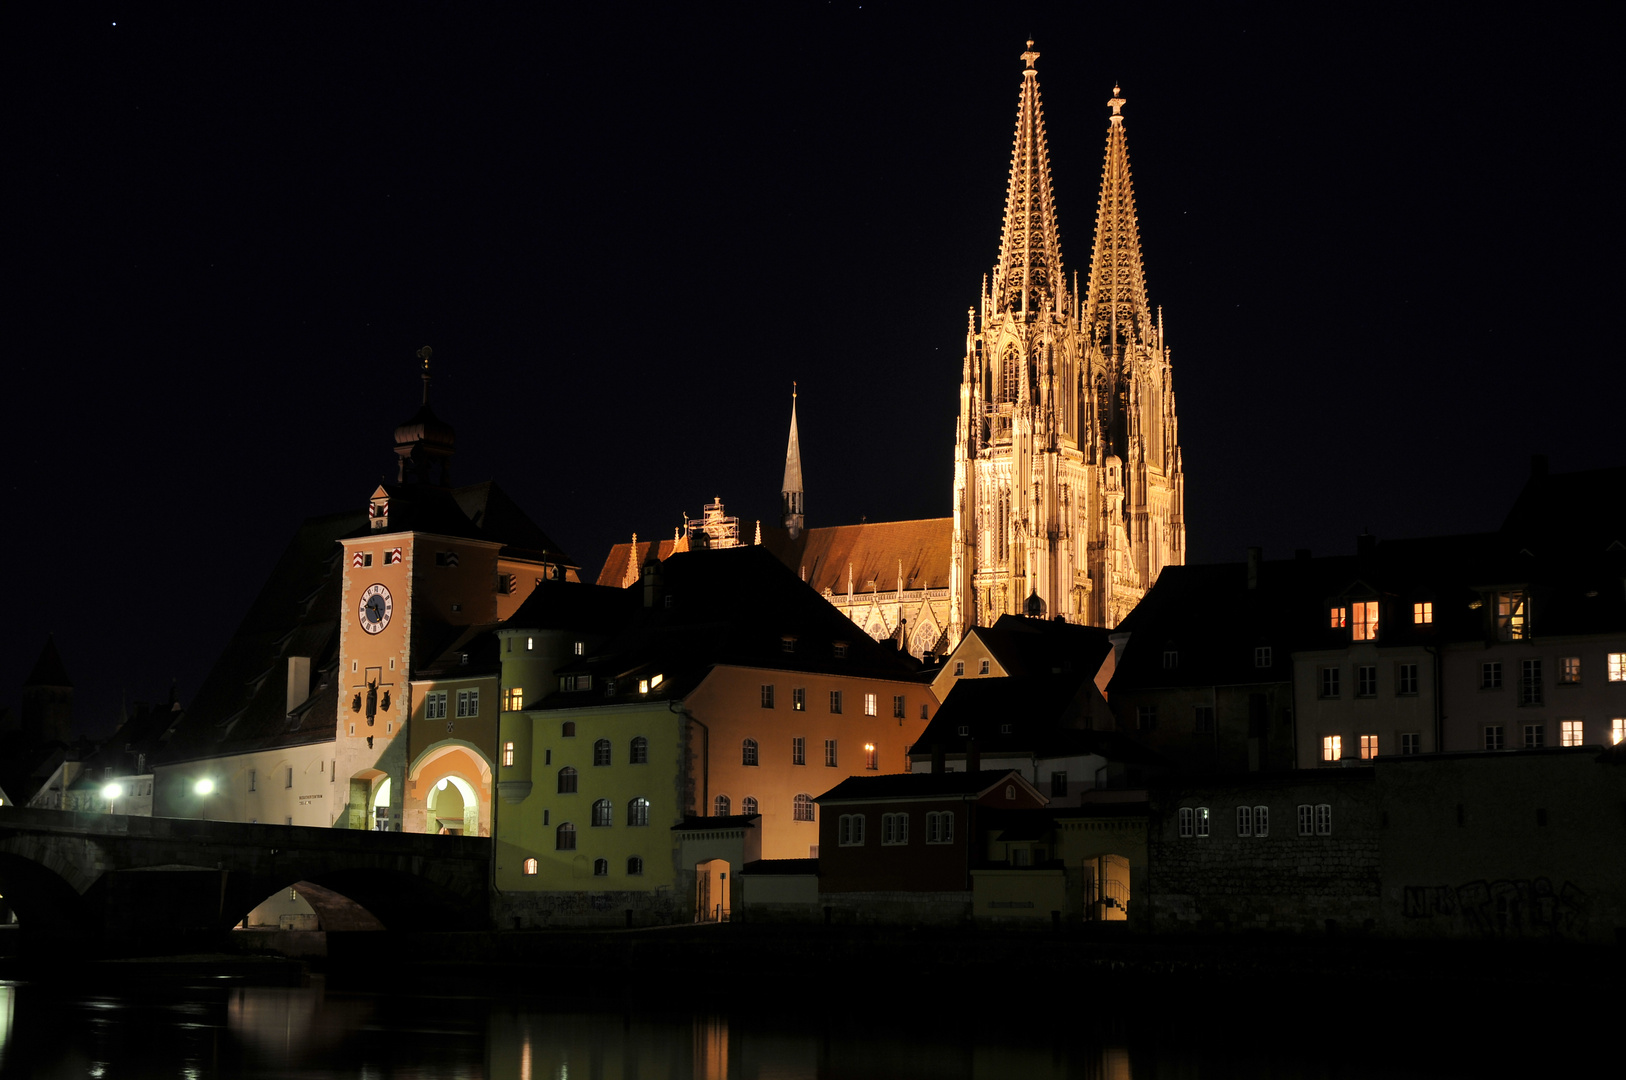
(128, 884)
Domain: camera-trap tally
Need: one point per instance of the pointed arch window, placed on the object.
(802, 810)
(748, 806)
(1010, 379)
(720, 806)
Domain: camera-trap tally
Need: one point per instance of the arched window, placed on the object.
(565, 837)
(748, 805)
(803, 810)
(639, 754)
(601, 752)
(638, 812)
(530, 866)
(603, 814)
(748, 752)
(601, 867)
(567, 781)
(1009, 376)
(719, 806)
(635, 866)
(568, 729)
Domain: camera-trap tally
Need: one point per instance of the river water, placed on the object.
(233, 1031)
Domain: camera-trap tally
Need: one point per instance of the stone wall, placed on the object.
(900, 908)
(1282, 881)
(589, 908)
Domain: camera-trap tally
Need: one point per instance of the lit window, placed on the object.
(1145, 717)
(802, 808)
(1332, 747)
(514, 699)
(1493, 736)
(638, 812)
(1202, 821)
(748, 752)
(1369, 747)
(468, 702)
(1617, 731)
(830, 753)
(601, 752)
(1535, 736)
(798, 699)
(869, 704)
(530, 644)
(767, 695)
(850, 830)
(1187, 816)
(601, 867)
(1329, 682)
(720, 806)
(1363, 620)
(1335, 618)
(748, 805)
(1244, 821)
(603, 814)
(1530, 682)
(638, 754)
(940, 827)
(894, 829)
(1405, 679)
(982, 667)
(870, 757)
(959, 667)
(508, 753)
(635, 866)
(1423, 614)
(567, 781)
(798, 751)
(1262, 656)
(564, 837)
(1512, 614)
(1171, 658)
(1411, 743)
(1572, 733)
(835, 701)
(1306, 819)
(643, 686)
(1205, 719)
(1261, 821)
(1366, 681)
(656, 679)
(1323, 819)
(576, 648)
(1490, 675)
(1569, 670)
(530, 867)
(434, 705)
(1617, 667)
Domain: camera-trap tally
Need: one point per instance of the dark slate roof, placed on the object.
(562, 605)
(727, 821)
(733, 606)
(1025, 646)
(498, 517)
(49, 670)
(461, 651)
(916, 785)
(1046, 714)
(1578, 513)
(242, 704)
(781, 866)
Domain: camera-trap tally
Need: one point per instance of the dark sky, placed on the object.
(1387, 248)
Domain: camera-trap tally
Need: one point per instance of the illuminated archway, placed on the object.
(449, 787)
(454, 806)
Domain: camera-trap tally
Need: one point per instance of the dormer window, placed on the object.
(1363, 620)
(1512, 616)
(1422, 614)
(839, 650)
(1335, 618)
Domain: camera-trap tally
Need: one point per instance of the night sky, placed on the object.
(1387, 248)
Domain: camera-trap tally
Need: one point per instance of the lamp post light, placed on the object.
(111, 792)
(204, 788)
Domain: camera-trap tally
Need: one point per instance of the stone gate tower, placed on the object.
(1068, 488)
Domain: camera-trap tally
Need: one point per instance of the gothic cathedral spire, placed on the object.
(1068, 485)
(790, 492)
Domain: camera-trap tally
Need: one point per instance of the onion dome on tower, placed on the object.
(424, 443)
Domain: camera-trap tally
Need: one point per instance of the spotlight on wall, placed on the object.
(112, 791)
(205, 786)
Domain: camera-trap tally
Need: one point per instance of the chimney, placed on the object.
(973, 756)
(299, 681)
(937, 757)
(1254, 555)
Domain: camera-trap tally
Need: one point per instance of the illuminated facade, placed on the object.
(1068, 484)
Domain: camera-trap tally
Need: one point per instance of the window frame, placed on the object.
(569, 781)
(603, 814)
(637, 812)
(798, 699)
(850, 830)
(835, 703)
(722, 805)
(750, 753)
(798, 750)
(801, 807)
(564, 837)
(870, 704)
(603, 753)
(767, 695)
(831, 754)
(638, 751)
(1572, 733)
(895, 829)
(1329, 677)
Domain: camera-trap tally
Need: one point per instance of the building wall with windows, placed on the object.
(1536, 692)
(1363, 701)
(288, 785)
(1313, 868)
(594, 832)
(798, 752)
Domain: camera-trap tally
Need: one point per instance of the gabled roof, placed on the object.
(1048, 715)
(49, 670)
(945, 785)
(691, 823)
(1025, 646)
(874, 551)
(498, 517)
(735, 606)
(561, 605)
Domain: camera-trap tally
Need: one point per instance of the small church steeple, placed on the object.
(790, 492)
(424, 444)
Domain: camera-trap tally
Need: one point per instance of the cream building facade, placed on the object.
(1068, 482)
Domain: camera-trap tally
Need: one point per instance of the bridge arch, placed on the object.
(47, 905)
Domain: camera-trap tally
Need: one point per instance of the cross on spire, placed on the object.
(1030, 56)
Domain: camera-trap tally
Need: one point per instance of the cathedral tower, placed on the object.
(1068, 489)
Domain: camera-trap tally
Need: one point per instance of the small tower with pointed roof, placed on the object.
(1066, 448)
(790, 492)
(47, 712)
(424, 443)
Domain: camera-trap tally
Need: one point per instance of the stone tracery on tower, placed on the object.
(1068, 483)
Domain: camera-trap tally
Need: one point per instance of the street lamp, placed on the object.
(111, 792)
(204, 788)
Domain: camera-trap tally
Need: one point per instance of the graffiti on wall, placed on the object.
(1509, 907)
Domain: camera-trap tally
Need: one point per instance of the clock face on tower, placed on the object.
(376, 607)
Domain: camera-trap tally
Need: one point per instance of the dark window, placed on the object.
(898, 707)
(565, 837)
(639, 754)
(1205, 719)
(601, 752)
(1058, 785)
(803, 808)
(567, 781)
(635, 866)
(748, 752)
(568, 729)
(767, 695)
(719, 806)
(601, 867)
(638, 812)
(603, 814)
